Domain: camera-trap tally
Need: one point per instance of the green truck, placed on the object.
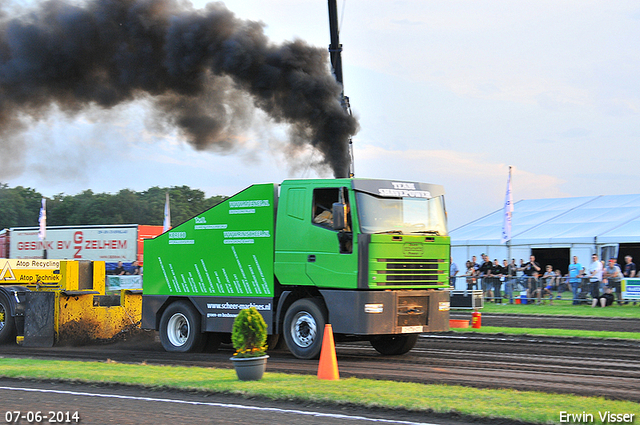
(370, 257)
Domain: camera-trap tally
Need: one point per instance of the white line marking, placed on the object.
(224, 405)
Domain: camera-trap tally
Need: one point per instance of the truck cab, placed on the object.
(380, 220)
(373, 254)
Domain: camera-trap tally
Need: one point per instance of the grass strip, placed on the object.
(527, 406)
(565, 308)
(566, 333)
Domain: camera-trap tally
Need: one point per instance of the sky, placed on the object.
(445, 92)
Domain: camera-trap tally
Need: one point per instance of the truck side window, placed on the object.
(323, 200)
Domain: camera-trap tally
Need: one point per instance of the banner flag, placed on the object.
(508, 211)
(167, 215)
(42, 234)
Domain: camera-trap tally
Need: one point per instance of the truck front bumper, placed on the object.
(387, 312)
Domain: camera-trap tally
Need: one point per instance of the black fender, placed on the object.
(289, 297)
(16, 296)
(17, 304)
(152, 308)
(281, 310)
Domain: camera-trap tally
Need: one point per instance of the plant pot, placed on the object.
(250, 368)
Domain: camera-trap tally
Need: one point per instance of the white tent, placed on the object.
(585, 225)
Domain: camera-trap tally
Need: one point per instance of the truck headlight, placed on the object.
(373, 308)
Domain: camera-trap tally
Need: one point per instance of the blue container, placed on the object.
(523, 299)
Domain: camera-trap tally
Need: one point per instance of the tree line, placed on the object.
(20, 206)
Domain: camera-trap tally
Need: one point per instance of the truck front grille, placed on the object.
(409, 271)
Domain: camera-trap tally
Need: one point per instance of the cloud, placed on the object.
(541, 53)
(475, 184)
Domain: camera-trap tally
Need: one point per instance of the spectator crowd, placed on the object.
(598, 284)
(120, 270)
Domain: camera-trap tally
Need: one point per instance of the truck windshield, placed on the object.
(401, 215)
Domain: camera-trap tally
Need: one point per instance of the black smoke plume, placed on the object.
(191, 63)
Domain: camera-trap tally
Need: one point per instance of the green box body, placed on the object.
(268, 244)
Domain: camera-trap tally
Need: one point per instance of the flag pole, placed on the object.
(167, 215)
(508, 211)
(42, 233)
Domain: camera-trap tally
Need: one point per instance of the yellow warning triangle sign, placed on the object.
(7, 270)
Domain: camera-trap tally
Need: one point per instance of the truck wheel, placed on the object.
(394, 344)
(7, 323)
(180, 328)
(303, 328)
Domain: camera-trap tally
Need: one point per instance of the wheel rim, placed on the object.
(2, 317)
(303, 329)
(178, 329)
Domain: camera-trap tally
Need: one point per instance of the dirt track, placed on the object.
(609, 368)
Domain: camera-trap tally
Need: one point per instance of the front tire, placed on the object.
(7, 322)
(389, 345)
(180, 328)
(304, 328)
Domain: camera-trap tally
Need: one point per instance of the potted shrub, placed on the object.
(249, 338)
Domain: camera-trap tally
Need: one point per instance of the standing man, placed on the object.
(613, 274)
(474, 263)
(531, 270)
(629, 267)
(497, 274)
(483, 272)
(509, 280)
(135, 268)
(520, 278)
(453, 271)
(575, 278)
(119, 270)
(595, 275)
(629, 270)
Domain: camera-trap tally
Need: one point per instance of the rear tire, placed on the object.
(304, 328)
(180, 328)
(7, 322)
(389, 345)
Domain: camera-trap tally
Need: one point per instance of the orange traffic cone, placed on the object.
(328, 367)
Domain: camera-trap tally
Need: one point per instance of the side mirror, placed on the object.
(339, 216)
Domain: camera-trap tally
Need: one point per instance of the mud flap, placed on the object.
(39, 319)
